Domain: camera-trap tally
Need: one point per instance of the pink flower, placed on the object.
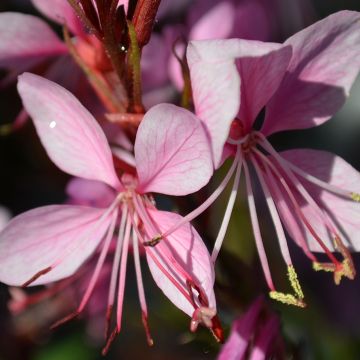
(255, 335)
(52, 242)
(301, 84)
(27, 41)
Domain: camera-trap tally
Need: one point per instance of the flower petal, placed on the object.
(37, 238)
(242, 330)
(190, 252)
(172, 152)
(216, 88)
(71, 136)
(89, 192)
(212, 25)
(344, 213)
(216, 68)
(61, 12)
(262, 67)
(26, 40)
(325, 63)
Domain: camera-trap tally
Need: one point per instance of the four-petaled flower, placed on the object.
(50, 243)
(301, 84)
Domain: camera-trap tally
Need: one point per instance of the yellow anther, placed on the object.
(295, 282)
(290, 299)
(355, 196)
(287, 299)
(154, 241)
(346, 268)
(329, 267)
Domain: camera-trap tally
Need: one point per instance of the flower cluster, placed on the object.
(100, 102)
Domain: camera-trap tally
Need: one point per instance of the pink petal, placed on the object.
(172, 152)
(89, 192)
(190, 251)
(37, 238)
(26, 40)
(204, 28)
(325, 63)
(61, 12)
(216, 88)
(216, 82)
(242, 330)
(262, 67)
(71, 136)
(265, 339)
(335, 171)
(212, 25)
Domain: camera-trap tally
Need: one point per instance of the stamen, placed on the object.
(274, 214)
(199, 210)
(140, 286)
(290, 299)
(256, 229)
(151, 253)
(115, 268)
(286, 298)
(68, 250)
(207, 316)
(100, 263)
(269, 164)
(324, 185)
(238, 142)
(122, 274)
(355, 196)
(298, 185)
(229, 208)
(36, 276)
(281, 203)
(109, 341)
(94, 276)
(164, 251)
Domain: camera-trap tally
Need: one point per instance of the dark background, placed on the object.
(328, 329)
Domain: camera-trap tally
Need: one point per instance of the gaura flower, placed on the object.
(28, 43)
(255, 335)
(301, 84)
(50, 243)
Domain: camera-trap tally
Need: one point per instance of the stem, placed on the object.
(99, 85)
(134, 73)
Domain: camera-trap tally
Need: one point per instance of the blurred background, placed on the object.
(327, 329)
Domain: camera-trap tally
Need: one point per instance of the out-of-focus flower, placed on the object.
(172, 157)
(255, 336)
(301, 84)
(5, 216)
(27, 42)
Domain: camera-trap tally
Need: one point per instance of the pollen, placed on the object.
(154, 241)
(355, 196)
(345, 269)
(289, 299)
(295, 282)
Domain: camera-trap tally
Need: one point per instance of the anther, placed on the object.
(64, 320)
(355, 196)
(290, 299)
(154, 241)
(36, 276)
(287, 299)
